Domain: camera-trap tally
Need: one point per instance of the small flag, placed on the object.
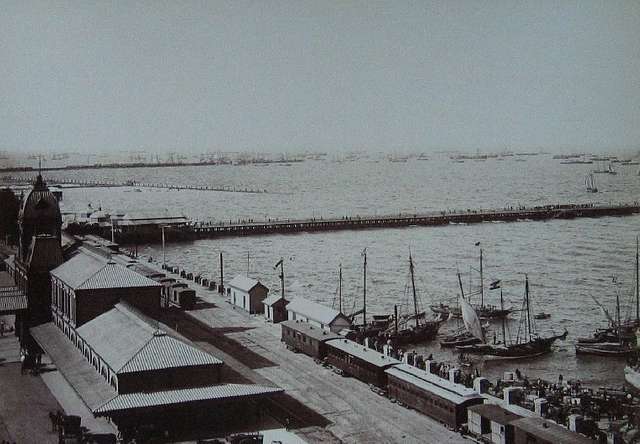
(477, 244)
(278, 264)
(494, 285)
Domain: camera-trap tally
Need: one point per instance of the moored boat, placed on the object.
(531, 346)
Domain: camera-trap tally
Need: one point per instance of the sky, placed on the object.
(329, 76)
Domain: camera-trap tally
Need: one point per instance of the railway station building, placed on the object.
(95, 318)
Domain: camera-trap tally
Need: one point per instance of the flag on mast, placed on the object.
(278, 264)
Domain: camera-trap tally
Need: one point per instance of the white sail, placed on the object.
(470, 319)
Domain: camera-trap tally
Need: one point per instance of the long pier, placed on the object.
(548, 212)
(75, 183)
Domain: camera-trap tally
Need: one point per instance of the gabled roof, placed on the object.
(272, 299)
(172, 397)
(87, 270)
(129, 344)
(313, 310)
(244, 283)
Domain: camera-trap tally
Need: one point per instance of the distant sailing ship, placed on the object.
(590, 183)
(529, 346)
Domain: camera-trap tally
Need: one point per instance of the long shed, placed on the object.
(304, 337)
(432, 395)
(356, 360)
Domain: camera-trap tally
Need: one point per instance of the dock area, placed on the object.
(76, 183)
(321, 405)
(469, 216)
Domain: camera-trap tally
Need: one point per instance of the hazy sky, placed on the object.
(319, 75)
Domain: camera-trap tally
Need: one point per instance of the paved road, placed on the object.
(329, 407)
(25, 401)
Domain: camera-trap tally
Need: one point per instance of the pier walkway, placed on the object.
(511, 214)
(75, 183)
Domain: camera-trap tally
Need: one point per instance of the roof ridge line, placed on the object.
(95, 409)
(135, 354)
(78, 286)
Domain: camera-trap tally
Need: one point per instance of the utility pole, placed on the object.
(221, 286)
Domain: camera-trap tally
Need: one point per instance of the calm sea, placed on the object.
(568, 261)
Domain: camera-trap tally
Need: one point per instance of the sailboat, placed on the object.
(610, 169)
(464, 336)
(530, 346)
(423, 330)
(590, 183)
(485, 311)
(618, 330)
(607, 348)
(378, 324)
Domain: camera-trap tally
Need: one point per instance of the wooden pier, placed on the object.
(75, 183)
(251, 227)
(549, 212)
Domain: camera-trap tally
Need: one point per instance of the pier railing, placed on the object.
(566, 211)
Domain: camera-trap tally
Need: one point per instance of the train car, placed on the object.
(356, 360)
(173, 291)
(165, 291)
(306, 338)
(185, 298)
(431, 395)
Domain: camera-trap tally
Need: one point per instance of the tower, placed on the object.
(39, 214)
(39, 251)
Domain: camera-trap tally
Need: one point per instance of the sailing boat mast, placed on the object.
(504, 332)
(460, 284)
(481, 282)
(618, 316)
(637, 287)
(340, 289)
(413, 287)
(526, 296)
(364, 294)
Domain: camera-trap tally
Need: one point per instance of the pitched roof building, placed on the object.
(317, 314)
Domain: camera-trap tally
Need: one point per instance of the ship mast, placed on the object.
(340, 289)
(481, 282)
(637, 287)
(364, 294)
(504, 333)
(526, 295)
(413, 287)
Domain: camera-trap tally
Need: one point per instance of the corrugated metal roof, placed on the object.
(360, 351)
(121, 338)
(434, 383)
(171, 397)
(313, 310)
(87, 270)
(163, 351)
(81, 375)
(14, 302)
(243, 283)
(114, 275)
